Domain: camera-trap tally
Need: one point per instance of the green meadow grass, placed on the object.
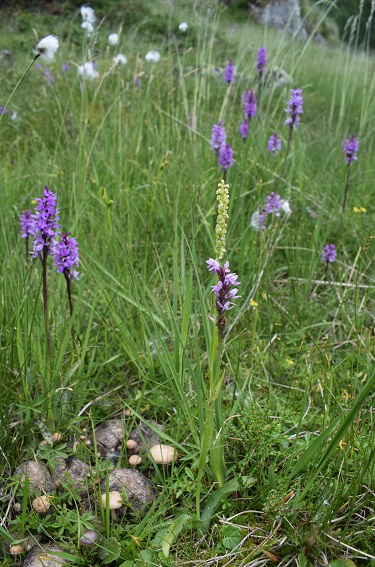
(136, 183)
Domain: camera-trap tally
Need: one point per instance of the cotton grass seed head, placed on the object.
(120, 59)
(183, 26)
(47, 48)
(88, 71)
(87, 14)
(152, 57)
(113, 39)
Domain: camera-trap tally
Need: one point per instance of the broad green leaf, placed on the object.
(173, 532)
(231, 536)
(227, 489)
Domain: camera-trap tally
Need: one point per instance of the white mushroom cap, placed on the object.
(114, 500)
(41, 504)
(163, 454)
(131, 444)
(16, 549)
(135, 460)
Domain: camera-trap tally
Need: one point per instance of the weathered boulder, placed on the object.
(282, 15)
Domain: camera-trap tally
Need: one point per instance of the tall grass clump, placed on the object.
(170, 156)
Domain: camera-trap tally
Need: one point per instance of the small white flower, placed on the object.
(120, 59)
(87, 14)
(152, 56)
(88, 27)
(285, 207)
(183, 26)
(47, 47)
(113, 39)
(88, 71)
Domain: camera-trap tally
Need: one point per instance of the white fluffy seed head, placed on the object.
(47, 47)
(113, 39)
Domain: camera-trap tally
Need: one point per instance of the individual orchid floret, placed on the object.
(273, 204)
(46, 48)
(120, 59)
(295, 108)
(250, 104)
(88, 14)
(261, 60)
(218, 136)
(229, 72)
(213, 265)
(152, 57)
(183, 26)
(66, 255)
(46, 224)
(350, 148)
(222, 196)
(329, 253)
(225, 157)
(244, 128)
(113, 39)
(274, 144)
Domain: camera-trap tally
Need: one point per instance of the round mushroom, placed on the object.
(163, 454)
(135, 460)
(114, 500)
(41, 504)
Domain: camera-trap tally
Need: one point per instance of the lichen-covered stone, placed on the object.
(44, 557)
(138, 489)
(109, 435)
(72, 473)
(37, 474)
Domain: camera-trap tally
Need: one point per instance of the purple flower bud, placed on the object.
(274, 144)
(244, 128)
(229, 73)
(66, 67)
(66, 255)
(273, 204)
(218, 136)
(350, 148)
(250, 104)
(3, 110)
(261, 59)
(48, 76)
(226, 157)
(137, 81)
(27, 224)
(329, 253)
(295, 107)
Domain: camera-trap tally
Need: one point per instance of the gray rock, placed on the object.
(72, 472)
(139, 492)
(282, 15)
(109, 436)
(37, 475)
(44, 557)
